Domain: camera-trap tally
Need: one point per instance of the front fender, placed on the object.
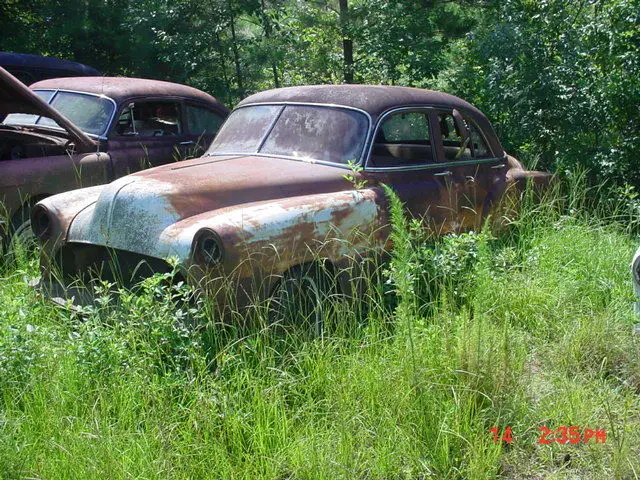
(62, 210)
(269, 237)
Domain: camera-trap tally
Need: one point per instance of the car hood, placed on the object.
(133, 212)
(15, 97)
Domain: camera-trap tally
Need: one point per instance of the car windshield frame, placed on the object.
(54, 93)
(359, 160)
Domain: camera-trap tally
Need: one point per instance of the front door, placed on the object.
(403, 157)
(147, 134)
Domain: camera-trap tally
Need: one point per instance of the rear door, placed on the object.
(201, 125)
(475, 168)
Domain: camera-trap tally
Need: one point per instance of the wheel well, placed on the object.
(326, 264)
(18, 216)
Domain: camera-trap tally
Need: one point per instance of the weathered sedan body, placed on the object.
(271, 194)
(67, 133)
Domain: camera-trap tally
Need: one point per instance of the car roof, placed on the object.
(122, 89)
(375, 100)
(25, 61)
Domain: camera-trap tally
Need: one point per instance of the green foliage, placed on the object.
(354, 176)
(532, 329)
(560, 80)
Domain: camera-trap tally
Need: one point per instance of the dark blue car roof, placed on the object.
(31, 68)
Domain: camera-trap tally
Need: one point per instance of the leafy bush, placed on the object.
(561, 81)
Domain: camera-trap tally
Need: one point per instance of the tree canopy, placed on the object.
(559, 78)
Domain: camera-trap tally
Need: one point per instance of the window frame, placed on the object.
(365, 145)
(110, 123)
(427, 111)
(470, 123)
(436, 142)
(113, 135)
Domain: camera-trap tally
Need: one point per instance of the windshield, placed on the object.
(329, 134)
(90, 113)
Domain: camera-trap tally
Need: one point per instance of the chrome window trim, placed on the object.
(437, 166)
(381, 119)
(308, 160)
(427, 166)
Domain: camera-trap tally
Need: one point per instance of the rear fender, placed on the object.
(503, 201)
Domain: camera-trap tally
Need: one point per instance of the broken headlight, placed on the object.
(206, 248)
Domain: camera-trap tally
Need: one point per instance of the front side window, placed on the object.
(149, 119)
(329, 134)
(403, 139)
(90, 113)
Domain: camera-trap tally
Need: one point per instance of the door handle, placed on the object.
(470, 179)
(187, 143)
(446, 173)
(500, 165)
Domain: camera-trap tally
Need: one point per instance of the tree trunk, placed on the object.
(266, 27)
(347, 43)
(236, 54)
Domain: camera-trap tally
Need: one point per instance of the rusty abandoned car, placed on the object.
(67, 133)
(270, 194)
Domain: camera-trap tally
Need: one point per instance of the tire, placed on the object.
(21, 243)
(302, 298)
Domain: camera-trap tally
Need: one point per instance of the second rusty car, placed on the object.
(293, 174)
(66, 133)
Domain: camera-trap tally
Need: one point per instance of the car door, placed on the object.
(476, 170)
(402, 156)
(147, 133)
(201, 125)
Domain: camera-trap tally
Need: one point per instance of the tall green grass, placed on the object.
(460, 334)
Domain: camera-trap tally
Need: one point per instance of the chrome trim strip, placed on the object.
(437, 166)
(263, 140)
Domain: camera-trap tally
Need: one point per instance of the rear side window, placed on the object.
(202, 121)
(475, 147)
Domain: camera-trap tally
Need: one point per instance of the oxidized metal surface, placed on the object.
(56, 161)
(124, 89)
(268, 214)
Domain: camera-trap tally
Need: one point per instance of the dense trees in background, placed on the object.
(559, 78)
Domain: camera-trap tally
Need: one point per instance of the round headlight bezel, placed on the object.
(207, 249)
(41, 223)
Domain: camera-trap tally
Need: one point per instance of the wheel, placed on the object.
(302, 298)
(22, 242)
